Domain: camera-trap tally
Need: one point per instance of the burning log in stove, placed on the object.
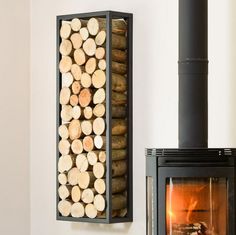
(191, 229)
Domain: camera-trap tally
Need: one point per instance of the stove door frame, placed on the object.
(195, 172)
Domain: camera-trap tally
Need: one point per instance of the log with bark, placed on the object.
(119, 154)
(119, 142)
(119, 42)
(119, 184)
(119, 83)
(118, 111)
(119, 201)
(119, 68)
(118, 98)
(119, 168)
(119, 55)
(119, 126)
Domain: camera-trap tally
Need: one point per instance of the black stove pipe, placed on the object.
(193, 73)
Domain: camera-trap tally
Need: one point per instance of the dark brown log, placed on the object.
(119, 154)
(119, 83)
(118, 111)
(118, 202)
(119, 68)
(119, 142)
(119, 126)
(119, 168)
(119, 55)
(119, 42)
(118, 98)
(119, 184)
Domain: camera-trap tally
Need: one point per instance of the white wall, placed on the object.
(14, 120)
(155, 96)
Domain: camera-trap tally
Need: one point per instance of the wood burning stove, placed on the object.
(191, 190)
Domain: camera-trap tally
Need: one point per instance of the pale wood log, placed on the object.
(99, 202)
(88, 112)
(64, 147)
(118, 98)
(102, 156)
(119, 68)
(100, 38)
(118, 111)
(119, 184)
(100, 53)
(77, 146)
(65, 47)
(79, 56)
(118, 26)
(89, 47)
(119, 142)
(100, 186)
(86, 179)
(64, 191)
(82, 162)
(93, 26)
(92, 157)
(76, 87)
(75, 24)
(91, 211)
(76, 112)
(98, 170)
(73, 176)
(66, 113)
(119, 42)
(65, 30)
(102, 64)
(74, 100)
(119, 126)
(99, 78)
(64, 207)
(87, 127)
(84, 33)
(86, 80)
(77, 210)
(75, 193)
(65, 95)
(74, 129)
(90, 65)
(119, 154)
(99, 110)
(99, 126)
(88, 195)
(63, 131)
(65, 64)
(65, 163)
(119, 55)
(119, 168)
(119, 202)
(67, 79)
(88, 143)
(76, 40)
(100, 96)
(85, 97)
(100, 142)
(119, 83)
(62, 178)
(76, 71)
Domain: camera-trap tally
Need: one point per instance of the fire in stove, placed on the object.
(196, 206)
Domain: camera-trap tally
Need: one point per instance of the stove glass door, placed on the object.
(196, 206)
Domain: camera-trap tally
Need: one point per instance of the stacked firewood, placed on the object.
(190, 229)
(82, 145)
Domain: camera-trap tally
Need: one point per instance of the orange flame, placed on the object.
(192, 205)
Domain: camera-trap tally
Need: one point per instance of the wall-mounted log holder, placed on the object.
(94, 117)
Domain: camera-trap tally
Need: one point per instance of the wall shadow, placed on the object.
(102, 228)
(232, 79)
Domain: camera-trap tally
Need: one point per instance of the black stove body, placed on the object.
(191, 190)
